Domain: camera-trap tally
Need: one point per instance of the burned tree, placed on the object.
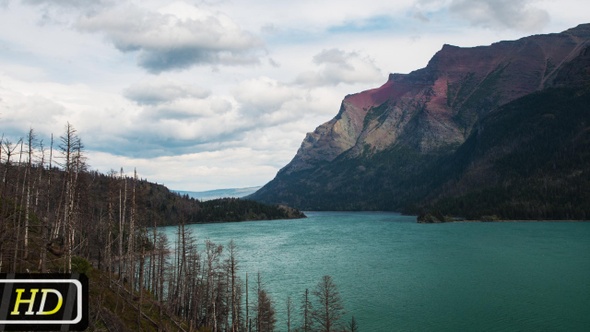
(330, 308)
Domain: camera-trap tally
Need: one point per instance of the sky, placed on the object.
(202, 95)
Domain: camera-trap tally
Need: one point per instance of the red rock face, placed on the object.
(436, 107)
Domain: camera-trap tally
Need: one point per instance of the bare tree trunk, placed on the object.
(130, 242)
(121, 221)
(307, 309)
(67, 150)
(330, 309)
(258, 302)
(40, 170)
(43, 218)
(8, 149)
(289, 310)
(141, 262)
(71, 148)
(2, 223)
(16, 214)
(46, 227)
(111, 223)
(213, 252)
(109, 249)
(154, 287)
(30, 140)
(180, 270)
(233, 270)
(162, 245)
(247, 306)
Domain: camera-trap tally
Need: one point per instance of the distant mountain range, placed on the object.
(498, 130)
(219, 193)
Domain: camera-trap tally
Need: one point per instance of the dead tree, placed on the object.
(8, 148)
(289, 312)
(306, 310)
(71, 148)
(27, 182)
(131, 235)
(122, 200)
(330, 307)
(232, 265)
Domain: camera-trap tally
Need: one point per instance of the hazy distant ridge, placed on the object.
(219, 193)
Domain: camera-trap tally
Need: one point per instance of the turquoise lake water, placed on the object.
(396, 275)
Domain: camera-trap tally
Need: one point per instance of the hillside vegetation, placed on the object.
(57, 216)
(528, 160)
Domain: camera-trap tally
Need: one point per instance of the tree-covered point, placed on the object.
(235, 209)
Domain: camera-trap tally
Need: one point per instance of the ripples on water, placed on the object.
(397, 275)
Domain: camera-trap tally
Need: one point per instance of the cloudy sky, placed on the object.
(211, 94)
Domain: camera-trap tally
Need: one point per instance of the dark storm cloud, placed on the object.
(157, 61)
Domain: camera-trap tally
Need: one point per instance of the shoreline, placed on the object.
(502, 220)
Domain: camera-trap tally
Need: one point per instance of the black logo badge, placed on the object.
(43, 302)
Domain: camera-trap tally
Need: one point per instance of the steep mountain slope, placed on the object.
(528, 160)
(383, 148)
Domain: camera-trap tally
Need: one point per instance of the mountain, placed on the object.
(412, 142)
(219, 193)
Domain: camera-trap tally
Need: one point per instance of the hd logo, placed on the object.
(38, 302)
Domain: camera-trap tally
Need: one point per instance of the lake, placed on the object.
(394, 274)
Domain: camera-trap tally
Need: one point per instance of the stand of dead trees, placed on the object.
(57, 216)
(38, 199)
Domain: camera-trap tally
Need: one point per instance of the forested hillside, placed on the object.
(57, 216)
(48, 188)
(528, 160)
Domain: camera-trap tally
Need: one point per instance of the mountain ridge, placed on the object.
(219, 193)
(387, 136)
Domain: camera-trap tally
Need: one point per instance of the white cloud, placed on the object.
(239, 83)
(154, 92)
(66, 3)
(511, 14)
(523, 15)
(45, 106)
(224, 168)
(337, 66)
(176, 37)
(21, 112)
(263, 95)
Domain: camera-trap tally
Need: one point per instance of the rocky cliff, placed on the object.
(382, 138)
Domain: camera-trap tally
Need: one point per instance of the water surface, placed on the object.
(396, 275)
